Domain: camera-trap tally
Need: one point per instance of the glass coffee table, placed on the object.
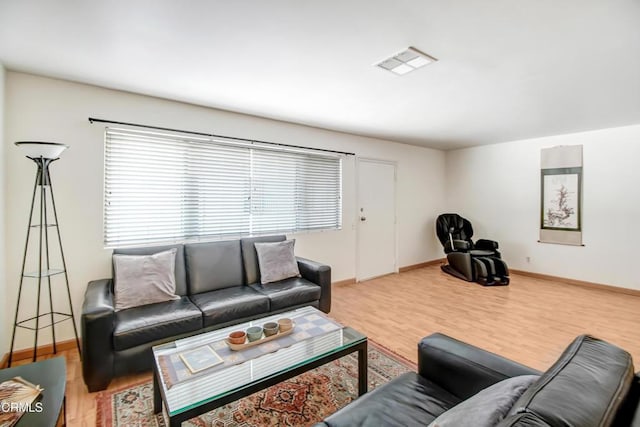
(227, 382)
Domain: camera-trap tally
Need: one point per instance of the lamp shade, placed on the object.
(46, 150)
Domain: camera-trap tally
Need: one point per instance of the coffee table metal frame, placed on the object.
(359, 344)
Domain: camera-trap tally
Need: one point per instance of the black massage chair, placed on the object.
(474, 262)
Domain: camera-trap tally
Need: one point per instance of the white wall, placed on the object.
(497, 187)
(4, 322)
(40, 108)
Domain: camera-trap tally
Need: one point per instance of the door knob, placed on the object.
(363, 218)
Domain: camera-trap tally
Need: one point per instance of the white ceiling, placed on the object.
(507, 69)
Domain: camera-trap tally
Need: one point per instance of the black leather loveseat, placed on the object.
(218, 284)
(591, 385)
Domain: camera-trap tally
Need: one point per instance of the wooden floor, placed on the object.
(530, 321)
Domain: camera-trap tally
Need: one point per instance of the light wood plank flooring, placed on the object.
(530, 321)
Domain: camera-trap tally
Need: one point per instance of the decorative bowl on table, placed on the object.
(285, 324)
(254, 333)
(270, 328)
(237, 337)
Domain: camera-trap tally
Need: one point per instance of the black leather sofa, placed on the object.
(591, 385)
(219, 285)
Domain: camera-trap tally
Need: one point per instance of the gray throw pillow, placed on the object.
(144, 279)
(488, 407)
(276, 261)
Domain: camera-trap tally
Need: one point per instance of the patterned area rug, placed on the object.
(300, 401)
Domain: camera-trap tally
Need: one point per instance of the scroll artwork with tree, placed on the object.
(559, 214)
(561, 195)
(561, 201)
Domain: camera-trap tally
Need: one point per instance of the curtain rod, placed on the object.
(96, 120)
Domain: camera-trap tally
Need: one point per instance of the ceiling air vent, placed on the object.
(406, 61)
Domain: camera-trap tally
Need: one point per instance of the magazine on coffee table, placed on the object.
(16, 395)
(200, 358)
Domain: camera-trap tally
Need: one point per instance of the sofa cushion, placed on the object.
(229, 304)
(523, 420)
(276, 261)
(289, 292)
(488, 407)
(408, 400)
(584, 387)
(144, 279)
(213, 265)
(180, 272)
(154, 322)
(250, 258)
(635, 418)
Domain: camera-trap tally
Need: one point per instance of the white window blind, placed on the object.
(163, 187)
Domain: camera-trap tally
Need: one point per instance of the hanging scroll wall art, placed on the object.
(561, 195)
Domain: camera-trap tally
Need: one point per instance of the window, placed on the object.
(163, 187)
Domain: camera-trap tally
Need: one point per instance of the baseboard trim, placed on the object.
(439, 261)
(41, 351)
(582, 283)
(422, 264)
(345, 282)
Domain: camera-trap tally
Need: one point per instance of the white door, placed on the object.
(376, 218)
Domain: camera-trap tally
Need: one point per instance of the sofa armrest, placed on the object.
(320, 274)
(97, 323)
(463, 369)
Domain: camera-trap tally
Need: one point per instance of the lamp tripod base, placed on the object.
(44, 272)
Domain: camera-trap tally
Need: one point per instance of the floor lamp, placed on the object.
(43, 154)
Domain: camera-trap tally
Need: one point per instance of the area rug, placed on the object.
(300, 401)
